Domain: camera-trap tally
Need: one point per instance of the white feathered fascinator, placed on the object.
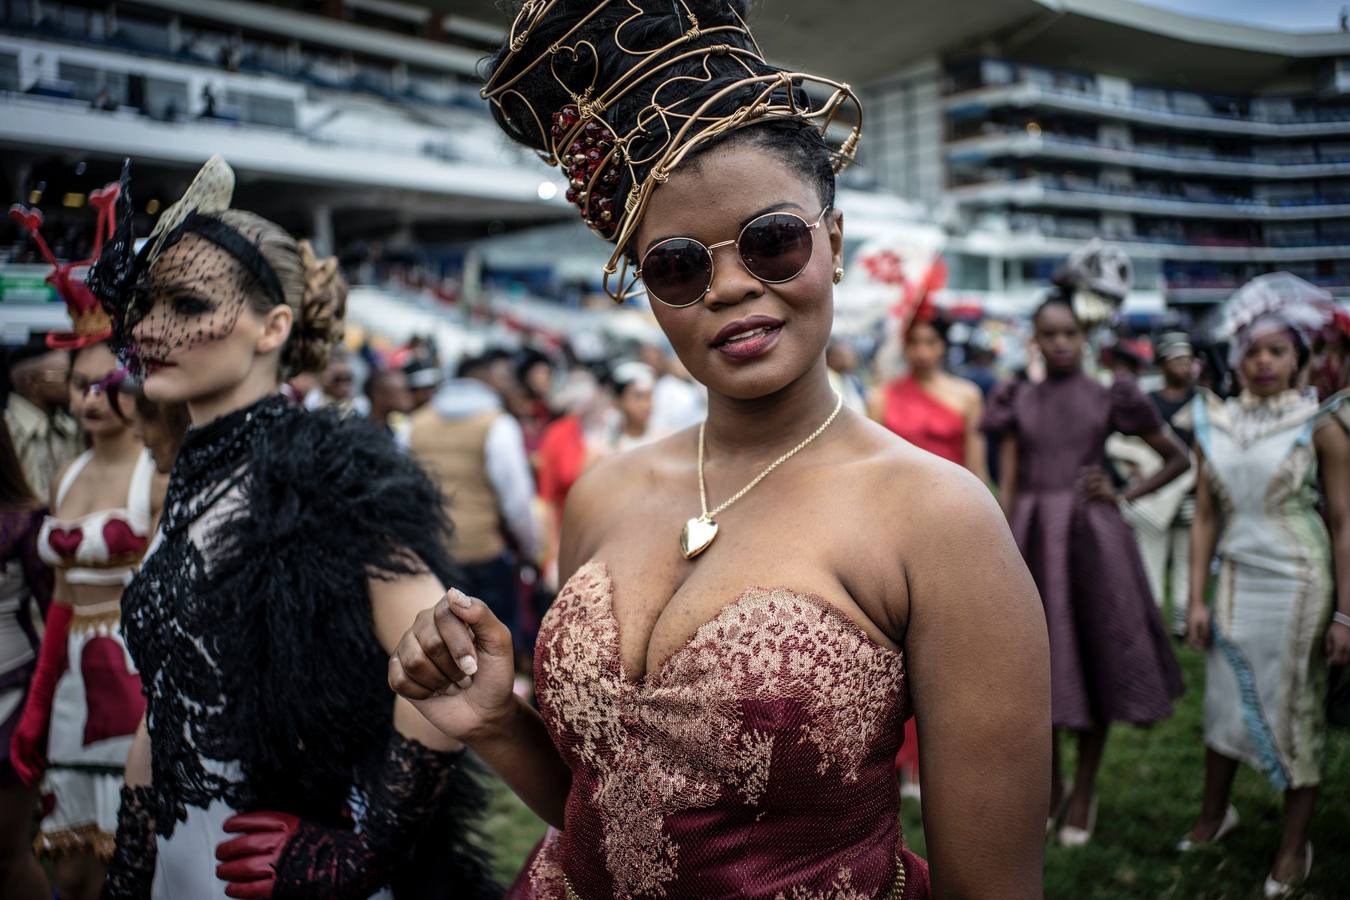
(1274, 302)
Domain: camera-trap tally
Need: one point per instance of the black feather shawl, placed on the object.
(251, 621)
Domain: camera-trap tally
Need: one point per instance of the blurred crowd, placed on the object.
(506, 432)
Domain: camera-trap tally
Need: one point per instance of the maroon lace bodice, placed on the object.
(756, 762)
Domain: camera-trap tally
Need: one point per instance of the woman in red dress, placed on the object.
(929, 407)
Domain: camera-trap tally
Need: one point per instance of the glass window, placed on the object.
(968, 273)
(9, 71)
(115, 83)
(260, 109)
(19, 12)
(73, 20)
(1147, 272)
(993, 71)
(143, 35)
(84, 80)
(1038, 271)
(165, 99)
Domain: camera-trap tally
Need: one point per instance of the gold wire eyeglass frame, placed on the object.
(735, 242)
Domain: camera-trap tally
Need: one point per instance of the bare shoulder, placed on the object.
(1329, 438)
(57, 478)
(616, 482)
(611, 480)
(937, 517)
(950, 513)
(967, 390)
(912, 485)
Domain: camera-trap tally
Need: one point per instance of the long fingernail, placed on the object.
(465, 683)
(463, 601)
(467, 664)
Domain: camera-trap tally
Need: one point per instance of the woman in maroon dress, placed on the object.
(24, 579)
(1110, 660)
(719, 709)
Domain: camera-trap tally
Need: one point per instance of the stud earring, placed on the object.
(838, 274)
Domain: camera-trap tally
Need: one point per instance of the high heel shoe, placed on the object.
(1073, 836)
(1231, 820)
(1275, 888)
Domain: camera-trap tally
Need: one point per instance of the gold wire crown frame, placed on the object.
(589, 148)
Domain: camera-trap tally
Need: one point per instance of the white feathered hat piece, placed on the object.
(1278, 300)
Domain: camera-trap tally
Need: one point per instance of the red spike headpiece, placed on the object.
(90, 323)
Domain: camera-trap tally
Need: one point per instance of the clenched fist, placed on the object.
(456, 666)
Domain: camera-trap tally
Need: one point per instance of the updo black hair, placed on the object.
(797, 142)
(1302, 350)
(1056, 299)
(939, 324)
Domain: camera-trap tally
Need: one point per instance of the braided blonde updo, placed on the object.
(314, 290)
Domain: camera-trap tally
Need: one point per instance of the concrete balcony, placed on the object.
(495, 181)
(1024, 145)
(1027, 243)
(1026, 95)
(1217, 292)
(1043, 193)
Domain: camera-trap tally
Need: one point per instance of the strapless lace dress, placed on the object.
(755, 762)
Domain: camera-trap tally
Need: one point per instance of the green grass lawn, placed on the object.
(1150, 791)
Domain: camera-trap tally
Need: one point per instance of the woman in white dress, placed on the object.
(1274, 623)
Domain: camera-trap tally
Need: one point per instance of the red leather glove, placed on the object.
(248, 863)
(282, 857)
(28, 745)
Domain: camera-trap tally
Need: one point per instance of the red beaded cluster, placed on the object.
(592, 173)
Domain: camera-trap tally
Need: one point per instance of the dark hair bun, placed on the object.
(319, 320)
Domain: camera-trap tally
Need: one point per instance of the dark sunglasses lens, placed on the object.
(776, 247)
(677, 271)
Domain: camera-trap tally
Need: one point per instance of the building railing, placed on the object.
(991, 74)
(470, 145)
(1139, 192)
(1047, 226)
(1161, 111)
(1229, 285)
(1162, 155)
(303, 67)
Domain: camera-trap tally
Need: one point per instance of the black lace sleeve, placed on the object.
(405, 805)
(255, 638)
(132, 867)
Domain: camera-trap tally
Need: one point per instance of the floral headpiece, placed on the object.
(1279, 300)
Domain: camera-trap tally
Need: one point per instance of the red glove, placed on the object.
(248, 863)
(28, 746)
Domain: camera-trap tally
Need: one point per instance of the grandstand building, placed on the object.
(1214, 152)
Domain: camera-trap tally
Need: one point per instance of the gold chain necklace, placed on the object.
(700, 532)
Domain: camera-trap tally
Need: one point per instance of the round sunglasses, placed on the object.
(774, 247)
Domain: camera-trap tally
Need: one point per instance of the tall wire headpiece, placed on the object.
(593, 154)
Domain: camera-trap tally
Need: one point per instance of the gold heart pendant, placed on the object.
(697, 536)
